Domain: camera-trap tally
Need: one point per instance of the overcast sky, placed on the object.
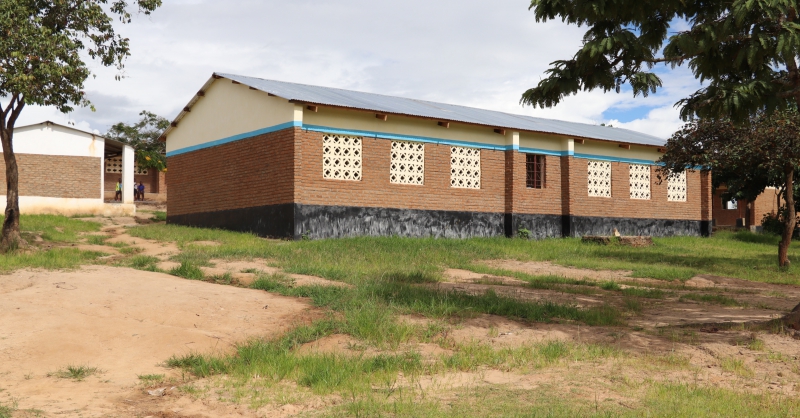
(474, 53)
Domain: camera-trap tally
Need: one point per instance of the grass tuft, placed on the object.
(188, 271)
(77, 373)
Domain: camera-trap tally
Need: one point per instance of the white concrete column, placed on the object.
(512, 140)
(568, 145)
(102, 144)
(127, 174)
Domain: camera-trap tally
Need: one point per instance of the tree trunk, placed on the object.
(10, 238)
(791, 219)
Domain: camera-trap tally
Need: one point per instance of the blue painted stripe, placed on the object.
(401, 137)
(239, 137)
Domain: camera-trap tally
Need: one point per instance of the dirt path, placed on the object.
(124, 322)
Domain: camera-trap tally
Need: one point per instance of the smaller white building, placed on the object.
(62, 171)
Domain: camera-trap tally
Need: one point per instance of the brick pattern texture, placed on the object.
(376, 190)
(620, 205)
(521, 199)
(56, 176)
(752, 212)
(252, 172)
(286, 167)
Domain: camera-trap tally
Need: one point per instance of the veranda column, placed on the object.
(127, 174)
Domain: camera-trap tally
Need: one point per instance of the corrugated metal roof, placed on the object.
(441, 111)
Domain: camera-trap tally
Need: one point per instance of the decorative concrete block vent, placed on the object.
(408, 163)
(676, 187)
(640, 181)
(114, 166)
(341, 157)
(599, 178)
(465, 168)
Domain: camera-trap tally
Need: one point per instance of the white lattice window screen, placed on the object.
(465, 168)
(599, 178)
(640, 182)
(408, 163)
(341, 157)
(114, 166)
(676, 187)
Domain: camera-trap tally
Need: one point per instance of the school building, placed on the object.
(290, 160)
(744, 213)
(62, 171)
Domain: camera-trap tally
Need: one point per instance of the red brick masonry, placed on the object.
(285, 167)
(56, 176)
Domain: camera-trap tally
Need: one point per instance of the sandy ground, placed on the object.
(124, 322)
(127, 323)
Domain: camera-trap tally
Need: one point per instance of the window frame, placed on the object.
(535, 171)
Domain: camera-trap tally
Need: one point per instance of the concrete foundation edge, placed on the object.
(297, 221)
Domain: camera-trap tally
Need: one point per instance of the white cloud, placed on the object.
(475, 53)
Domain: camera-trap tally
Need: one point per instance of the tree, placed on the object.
(143, 137)
(746, 157)
(41, 42)
(746, 51)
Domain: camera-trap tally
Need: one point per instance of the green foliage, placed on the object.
(143, 137)
(743, 50)
(42, 43)
(523, 233)
(354, 260)
(188, 271)
(747, 158)
(77, 373)
(160, 216)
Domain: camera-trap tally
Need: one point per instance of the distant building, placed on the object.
(61, 171)
(291, 160)
(743, 213)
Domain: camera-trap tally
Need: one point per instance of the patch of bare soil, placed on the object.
(237, 268)
(160, 250)
(124, 322)
(543, 268)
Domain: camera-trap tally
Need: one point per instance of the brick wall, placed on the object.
(248, 173)
(56, 176)
(753, 212)
(375, 189)
(520, 198)
(620, 205)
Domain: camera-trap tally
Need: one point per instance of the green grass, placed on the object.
(143, 262)
(716, 299)
(397, 295)
(159, 216)
(7, 411)
(188, 271)
(659, 400)
(55, 228)
(54, 259)
(97, 239)
(735, 366)
(151, 379)
(743, 255)
(73, 372)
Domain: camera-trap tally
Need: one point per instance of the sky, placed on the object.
(474, 53)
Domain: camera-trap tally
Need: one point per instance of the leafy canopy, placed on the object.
(747, 158)
(40, 49)
(745, 51)
(143, 137)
